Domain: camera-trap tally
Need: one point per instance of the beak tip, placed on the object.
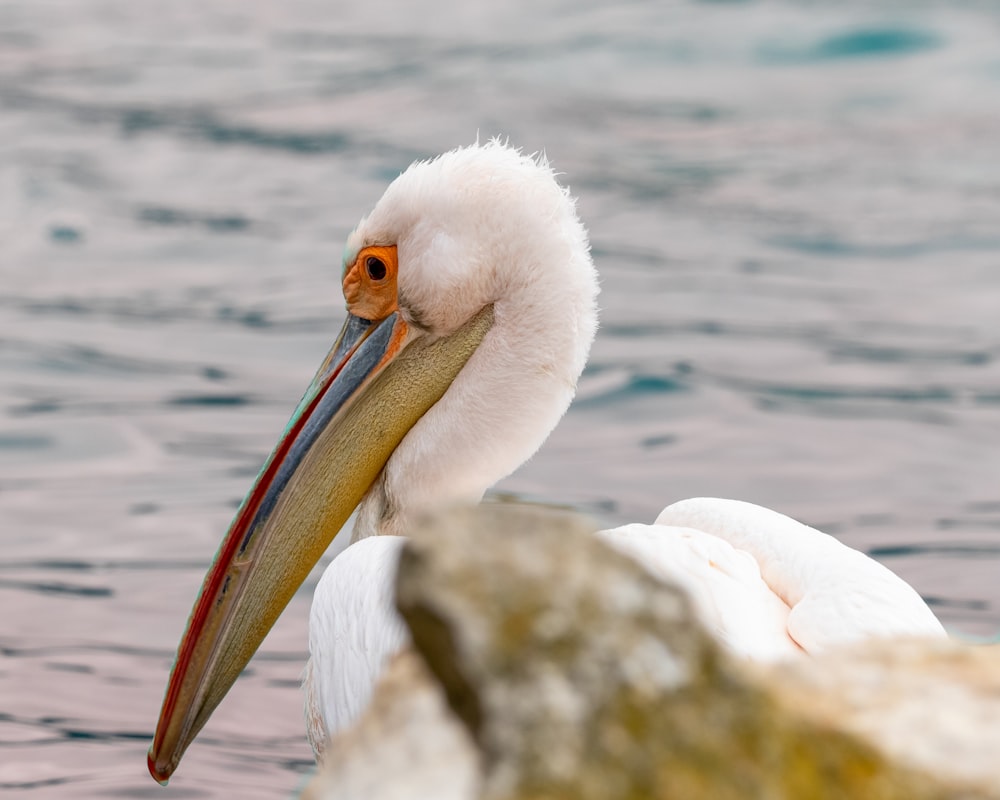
(161, 772)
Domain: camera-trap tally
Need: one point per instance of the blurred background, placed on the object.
(794, 206)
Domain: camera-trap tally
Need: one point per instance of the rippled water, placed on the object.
(794, 207)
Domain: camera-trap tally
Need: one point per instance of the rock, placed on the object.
(406, 745)
(571, 672)
(930, 704)
(581, 676)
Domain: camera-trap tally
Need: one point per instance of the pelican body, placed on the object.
(472, 305)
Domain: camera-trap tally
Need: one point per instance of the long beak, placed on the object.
(377, 381)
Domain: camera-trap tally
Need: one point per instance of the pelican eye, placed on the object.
(370, 282)
(376, 268)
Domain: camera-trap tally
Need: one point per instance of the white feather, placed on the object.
(353, 630)
(767, 587)
(731, 599)
(836, 594)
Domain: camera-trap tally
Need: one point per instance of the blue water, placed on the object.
(794, 207)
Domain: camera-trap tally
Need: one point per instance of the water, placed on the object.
(794, 208)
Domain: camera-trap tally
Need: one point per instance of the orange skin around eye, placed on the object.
(368, 297)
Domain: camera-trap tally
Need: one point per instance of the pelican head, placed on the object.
(471, 300)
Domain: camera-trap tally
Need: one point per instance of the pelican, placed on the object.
(471, 300)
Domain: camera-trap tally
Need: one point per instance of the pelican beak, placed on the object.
(379, 378)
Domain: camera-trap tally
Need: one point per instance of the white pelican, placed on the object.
(472, 305)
